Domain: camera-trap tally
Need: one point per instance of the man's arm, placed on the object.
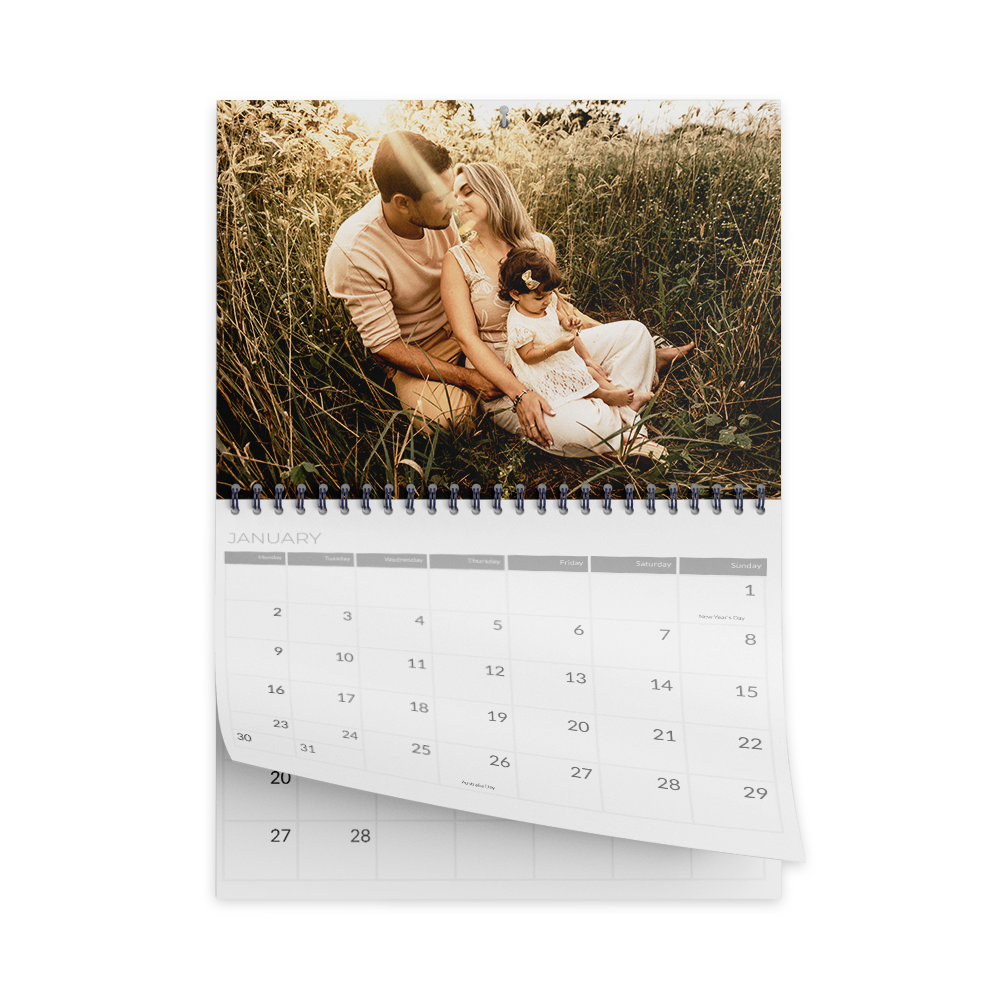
(412, 360)
(361, 280)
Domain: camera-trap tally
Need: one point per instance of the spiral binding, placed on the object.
(520, 493)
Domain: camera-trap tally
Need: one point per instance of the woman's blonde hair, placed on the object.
(505, 215)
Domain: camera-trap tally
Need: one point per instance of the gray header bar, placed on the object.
(392, 560)
(724, 567)
(550, 564)
(632, 564)
(466, 562)
(320, 558)
(255, 558)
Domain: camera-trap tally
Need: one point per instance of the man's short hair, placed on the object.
(425, 160)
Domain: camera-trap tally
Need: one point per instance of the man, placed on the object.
(385, 263)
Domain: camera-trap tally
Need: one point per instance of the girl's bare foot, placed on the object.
(640, 400)
(667, 355)
(615, 397)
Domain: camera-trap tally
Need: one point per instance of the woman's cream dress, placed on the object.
(580, 427)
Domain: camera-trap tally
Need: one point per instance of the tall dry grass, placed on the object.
(678, 230)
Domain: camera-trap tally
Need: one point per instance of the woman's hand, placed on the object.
(481, 386)
(565, 312)
(530, 413)
(570, 318)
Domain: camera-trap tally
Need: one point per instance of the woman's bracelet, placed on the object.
(517, 398)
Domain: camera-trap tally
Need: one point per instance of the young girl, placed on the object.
(547, 359)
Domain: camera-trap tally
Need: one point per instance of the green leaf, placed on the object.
(298, 474)
(727, 435)
(712, 419)
(746, 419)
(743, 440)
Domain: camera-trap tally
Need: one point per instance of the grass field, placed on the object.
(679, 230)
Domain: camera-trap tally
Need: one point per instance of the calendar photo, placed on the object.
(434, 292)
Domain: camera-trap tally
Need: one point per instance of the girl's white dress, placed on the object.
(582, 427)
(559, 378)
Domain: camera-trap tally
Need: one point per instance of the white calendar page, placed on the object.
(285, 837)
(614, 674)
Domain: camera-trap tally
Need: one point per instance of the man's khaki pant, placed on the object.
(434, 402)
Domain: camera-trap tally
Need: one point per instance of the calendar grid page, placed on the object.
(285, 837)
(615, 674)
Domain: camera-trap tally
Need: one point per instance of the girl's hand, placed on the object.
(569, 321)
(530, 415)
(565, 342)
(597, 370)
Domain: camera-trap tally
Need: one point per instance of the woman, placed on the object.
(624, 352)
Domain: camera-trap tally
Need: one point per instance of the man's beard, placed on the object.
(426, 225)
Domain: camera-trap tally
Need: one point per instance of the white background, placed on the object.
(889, 477)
